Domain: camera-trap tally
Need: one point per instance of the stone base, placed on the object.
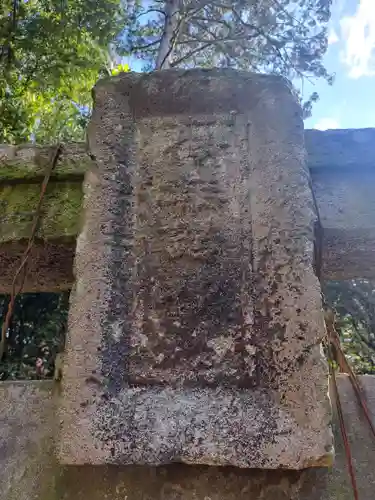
(160, 425)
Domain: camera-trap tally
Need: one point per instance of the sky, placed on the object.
(350, 102)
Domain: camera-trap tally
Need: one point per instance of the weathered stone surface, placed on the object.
(28, 470)
(27, 429)
(28, 162)
(342, 168)
(60, 211)
(196, 322)
(49, 266)
(347, 211)
(342, 149)
(50, 263)
(22, 168)
(330, 149)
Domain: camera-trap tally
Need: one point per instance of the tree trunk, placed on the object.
(170, 32)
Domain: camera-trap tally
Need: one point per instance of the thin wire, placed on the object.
(346, 368)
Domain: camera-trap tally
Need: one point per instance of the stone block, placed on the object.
(196, 320)
(347, 212)
(28, 468)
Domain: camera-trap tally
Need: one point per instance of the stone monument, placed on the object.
(196, 320)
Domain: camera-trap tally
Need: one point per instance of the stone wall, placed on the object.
(22, 169)
(29, 470)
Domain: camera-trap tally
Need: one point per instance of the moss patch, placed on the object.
(30, 162)
(60, 216)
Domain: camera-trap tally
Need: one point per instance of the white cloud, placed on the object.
(332, 37)
(358, 33)
(327, 124)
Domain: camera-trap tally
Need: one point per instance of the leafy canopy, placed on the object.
(283, 37)
(52, 52)
(354, 304)
(36, 335)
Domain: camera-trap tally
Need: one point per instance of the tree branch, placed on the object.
(144, 47)
(149, 11)
(190, 54)
(169, 34)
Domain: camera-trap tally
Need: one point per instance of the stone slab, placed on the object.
(27, 431)
(49, 268)
(347, 211)
(60, 211)
(196, 321)
(341, 149)
(29, 162)
(28, 468)
(329, 149)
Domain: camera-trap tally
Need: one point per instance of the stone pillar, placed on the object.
(196, 321)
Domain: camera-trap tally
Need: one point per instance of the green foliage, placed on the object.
(354, 303)
(35, 336)
(282, 37)
(52, 52)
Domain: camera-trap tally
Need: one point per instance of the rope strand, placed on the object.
(23, 266)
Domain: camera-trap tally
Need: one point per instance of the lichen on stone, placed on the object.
(26, 162)
(60, 212)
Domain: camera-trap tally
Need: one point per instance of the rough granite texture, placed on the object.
(27, 431)
(28, 469)
(50, 263)
(60, 211)
(22, 169)
(196, 320)
(341, 164)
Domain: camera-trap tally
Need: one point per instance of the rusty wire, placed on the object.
(344, 434)
(23, 266)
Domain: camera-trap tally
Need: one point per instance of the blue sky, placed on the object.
(350, 102)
